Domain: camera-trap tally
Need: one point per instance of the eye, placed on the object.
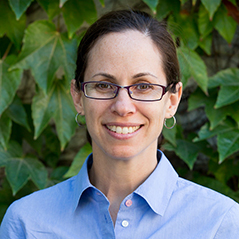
(144, 87)
(103, 86)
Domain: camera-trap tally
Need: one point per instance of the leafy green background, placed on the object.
(40, 143)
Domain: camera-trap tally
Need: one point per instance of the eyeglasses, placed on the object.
(100, 90)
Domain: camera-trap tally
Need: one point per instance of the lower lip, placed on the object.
(122, 136)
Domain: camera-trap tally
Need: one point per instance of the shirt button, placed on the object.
(125, 223)
(128, 203)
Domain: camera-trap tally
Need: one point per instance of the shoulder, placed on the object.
(48, 197)
(204, 199)
(202, 195)
(229, 227)
(184, 184)
(47, 203)
(207, 209)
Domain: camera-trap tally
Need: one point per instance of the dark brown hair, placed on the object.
(123, 20)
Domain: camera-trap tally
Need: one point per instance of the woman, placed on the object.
(127, 85)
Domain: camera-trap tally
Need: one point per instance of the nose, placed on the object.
(123, 105)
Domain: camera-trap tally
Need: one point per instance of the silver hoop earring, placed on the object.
(174, 122)
(76, 119)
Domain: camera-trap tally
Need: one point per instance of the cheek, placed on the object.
(155, 111)
(94, 110)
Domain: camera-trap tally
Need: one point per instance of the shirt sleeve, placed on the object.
(229, 227)
(11, 226)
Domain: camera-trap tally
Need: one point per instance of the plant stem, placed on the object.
(7, 51)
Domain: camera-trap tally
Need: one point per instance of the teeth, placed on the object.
(119, 130)
(123, 130)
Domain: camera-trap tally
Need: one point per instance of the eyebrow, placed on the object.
(105, 75)
(144, 74)
(134, 77)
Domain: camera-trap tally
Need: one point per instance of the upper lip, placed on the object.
(123, 124)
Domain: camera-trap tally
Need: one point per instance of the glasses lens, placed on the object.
(147, 92)
(100, 90)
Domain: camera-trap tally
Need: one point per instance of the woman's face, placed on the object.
(125, 58)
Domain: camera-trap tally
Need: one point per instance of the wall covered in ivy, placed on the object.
(40, 143)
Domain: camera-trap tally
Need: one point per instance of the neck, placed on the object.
(118, 178)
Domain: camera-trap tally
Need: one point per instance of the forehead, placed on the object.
(128, 52)
(117, 42)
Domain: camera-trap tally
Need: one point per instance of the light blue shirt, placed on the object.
(165, 206)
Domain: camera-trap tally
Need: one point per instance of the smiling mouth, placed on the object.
(122, 130)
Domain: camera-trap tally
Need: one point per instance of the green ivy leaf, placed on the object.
(227, 144)
(75, 12)
(204, 24)
(57, 175)
(78, 160)
(194, 65)
(13, 150)
(224, 171)
(19, 6)
(45, 51)
(215, 116)
(170, 135)
(152, 4)
(189, 33)
(225, 24)
(19, 169)
(62, 2)
(197, 99)
(52, 141)
(227, 138)
(183, 1)
(102, 2)
(184, 68)
(223, 127)
(165, 7)
(233, 2)
(211, 6)
(6, 199)
(206, 44)
(57, 104)
(17, 113)
(13, 28)
(186, 150)
(228, 80)
(9, 82)
(227, 95)
(51, 7)
(5, 130)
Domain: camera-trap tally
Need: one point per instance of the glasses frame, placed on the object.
(164, 88)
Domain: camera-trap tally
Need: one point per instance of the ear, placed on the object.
(77, 98)
(174, 99)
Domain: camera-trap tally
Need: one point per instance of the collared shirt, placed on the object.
(165, 206)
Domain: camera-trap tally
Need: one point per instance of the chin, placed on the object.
(123, 153)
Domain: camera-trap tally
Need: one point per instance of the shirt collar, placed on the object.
(158, 188)
(82, 181)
